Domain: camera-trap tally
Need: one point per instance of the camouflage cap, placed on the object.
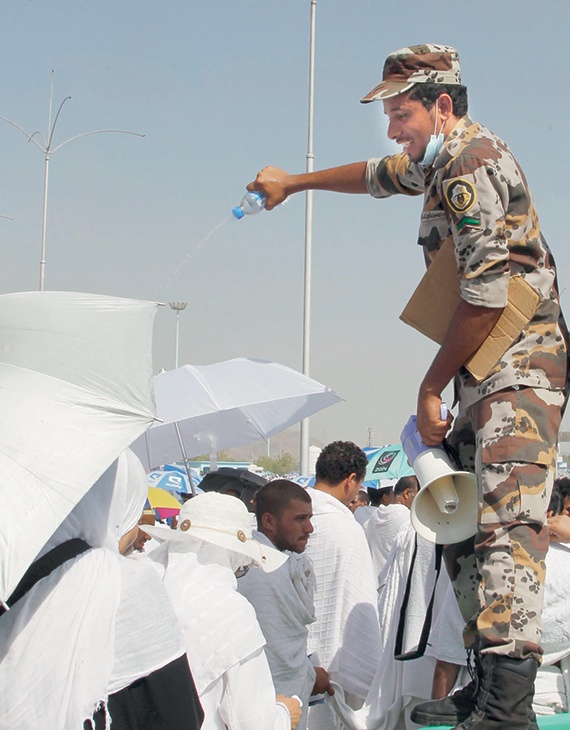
(428, 63)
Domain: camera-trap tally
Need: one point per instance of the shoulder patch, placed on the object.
(460, 195)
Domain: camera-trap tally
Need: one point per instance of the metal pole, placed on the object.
(304, 447)
(183, 450)
(178, 307)
(46, 176)
(177, 338)
(44, 224)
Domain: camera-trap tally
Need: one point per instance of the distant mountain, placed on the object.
(284, 442)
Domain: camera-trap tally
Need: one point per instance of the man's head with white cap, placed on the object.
(222, 521)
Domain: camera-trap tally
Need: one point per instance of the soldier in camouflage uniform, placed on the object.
(476, 195)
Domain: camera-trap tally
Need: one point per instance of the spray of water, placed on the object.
(167, 283)
(193, 249)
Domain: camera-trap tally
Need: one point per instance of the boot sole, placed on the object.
(426, 719)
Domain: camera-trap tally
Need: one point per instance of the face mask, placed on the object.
(435, 142)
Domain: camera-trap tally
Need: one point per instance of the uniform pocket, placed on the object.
(518, 425)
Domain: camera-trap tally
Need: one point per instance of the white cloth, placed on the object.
(346, 634)
(363, 513)
(397, 685)
(284, 605)
(56, 652)
(556, 612)
(240, 699)
(147, 634)
(58, 643)
(222, 637)
(550, 696)
(381, 529)
(446, 636)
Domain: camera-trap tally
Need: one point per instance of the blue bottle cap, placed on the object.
(237, 213)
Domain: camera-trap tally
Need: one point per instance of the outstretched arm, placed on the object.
(276, 185)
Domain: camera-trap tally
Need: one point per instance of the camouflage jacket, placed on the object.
(476, 193)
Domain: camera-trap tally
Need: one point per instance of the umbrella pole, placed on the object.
(183, 450)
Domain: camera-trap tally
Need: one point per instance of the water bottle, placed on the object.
(251, 204)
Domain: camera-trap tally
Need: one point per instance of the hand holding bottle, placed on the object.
(274, 184)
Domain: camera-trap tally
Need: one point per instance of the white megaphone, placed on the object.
(445, 509)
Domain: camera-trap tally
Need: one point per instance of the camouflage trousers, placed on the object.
(509, 440)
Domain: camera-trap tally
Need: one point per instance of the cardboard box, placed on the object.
(433, 304)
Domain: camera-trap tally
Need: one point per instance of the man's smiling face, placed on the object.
(410, 124)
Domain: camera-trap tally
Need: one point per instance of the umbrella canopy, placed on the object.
(387, 462)
(163, 502)
(208, 408)
(174, 479)
(303, 481)
(75, 391)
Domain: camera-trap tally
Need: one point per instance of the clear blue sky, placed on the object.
(220, 90)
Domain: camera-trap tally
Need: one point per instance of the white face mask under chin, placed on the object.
(435, 142)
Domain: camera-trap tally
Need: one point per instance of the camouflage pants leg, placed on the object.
(509, 440)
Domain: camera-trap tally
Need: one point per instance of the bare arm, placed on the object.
(468, 330)
(277, 184)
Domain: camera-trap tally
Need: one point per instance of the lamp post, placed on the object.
(304, 447)
(48, 150)
(178, 307)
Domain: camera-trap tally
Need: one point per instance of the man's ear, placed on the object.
(268, 522)
(445, 106)
(349, 482)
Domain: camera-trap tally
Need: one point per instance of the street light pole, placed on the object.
(178, 307)
(48, 150)
(304, 447)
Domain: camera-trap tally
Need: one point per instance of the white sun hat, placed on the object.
(221, 520)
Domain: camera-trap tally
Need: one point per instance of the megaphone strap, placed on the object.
(424, 636)
(453, 454)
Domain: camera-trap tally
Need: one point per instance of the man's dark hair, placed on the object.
(404, 483)
(338, 460)
(556, 505)
(563, 484)
(276, 496)
(384, 492)
(375, 495)
(428, 94)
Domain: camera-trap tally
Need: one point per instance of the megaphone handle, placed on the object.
(443, 412)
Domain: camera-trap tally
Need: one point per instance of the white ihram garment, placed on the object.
(381, 530)
(363, 513)
(397, 685)
(284, 606)
(346, 634)
(222, 637)
(68, 643)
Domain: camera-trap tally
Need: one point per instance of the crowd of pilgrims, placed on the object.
(259, 608)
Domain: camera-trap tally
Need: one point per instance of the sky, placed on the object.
(220, 89)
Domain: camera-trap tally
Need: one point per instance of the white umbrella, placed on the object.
(75, 390)
(207, 408)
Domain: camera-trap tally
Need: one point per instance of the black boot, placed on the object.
(505, 695)
(454, 708)
(458, 707)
